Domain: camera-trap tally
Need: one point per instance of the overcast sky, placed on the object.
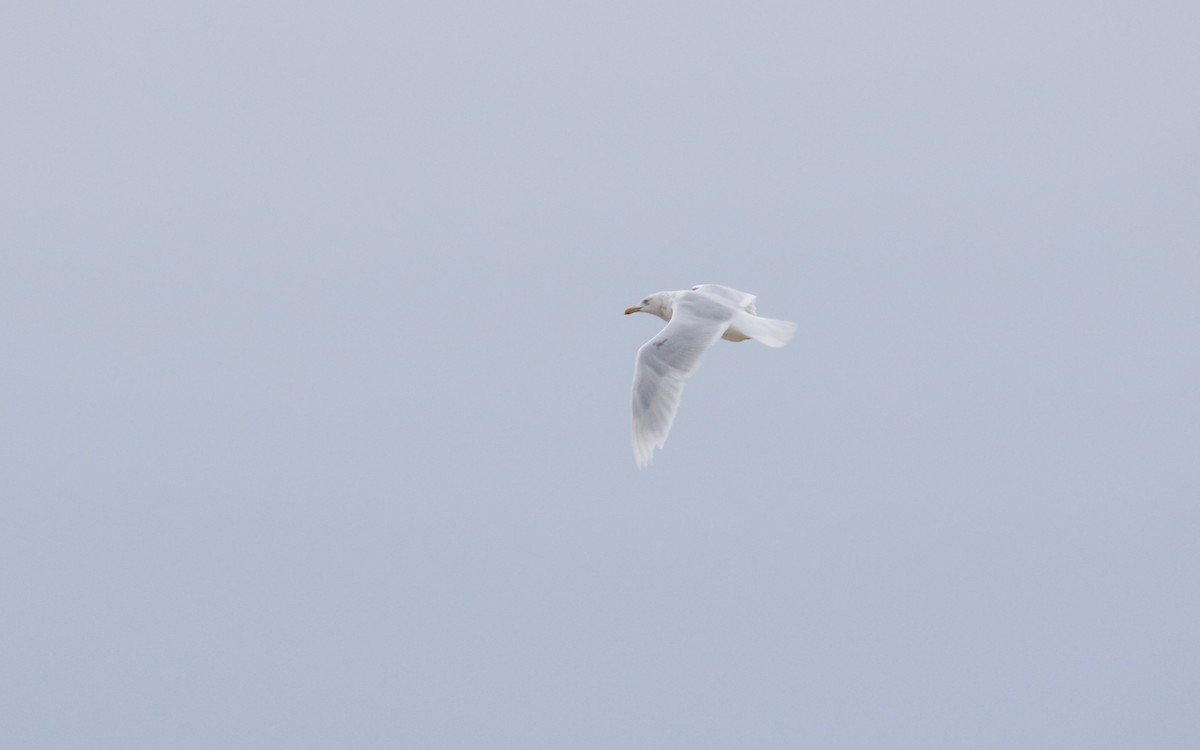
(314, 387)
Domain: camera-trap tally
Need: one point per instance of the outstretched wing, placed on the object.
(663, 366)
(730, 295)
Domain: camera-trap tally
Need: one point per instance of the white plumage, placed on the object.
(696, 318)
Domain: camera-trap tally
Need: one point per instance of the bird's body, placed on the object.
(696, 318)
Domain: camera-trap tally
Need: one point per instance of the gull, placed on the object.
(696, 318)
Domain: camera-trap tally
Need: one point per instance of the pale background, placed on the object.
(315, 379)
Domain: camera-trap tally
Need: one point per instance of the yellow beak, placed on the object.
(635, 308)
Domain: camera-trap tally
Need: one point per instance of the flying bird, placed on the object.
(696, 318)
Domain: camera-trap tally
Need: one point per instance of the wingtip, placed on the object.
(642, 459)
(643, 453)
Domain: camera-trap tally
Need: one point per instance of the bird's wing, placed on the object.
(664, 364)
(728, 294)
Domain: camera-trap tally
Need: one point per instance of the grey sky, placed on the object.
(315, 381)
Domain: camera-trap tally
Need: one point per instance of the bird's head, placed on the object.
(661, 304)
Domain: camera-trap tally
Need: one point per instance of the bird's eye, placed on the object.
(646, 301)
